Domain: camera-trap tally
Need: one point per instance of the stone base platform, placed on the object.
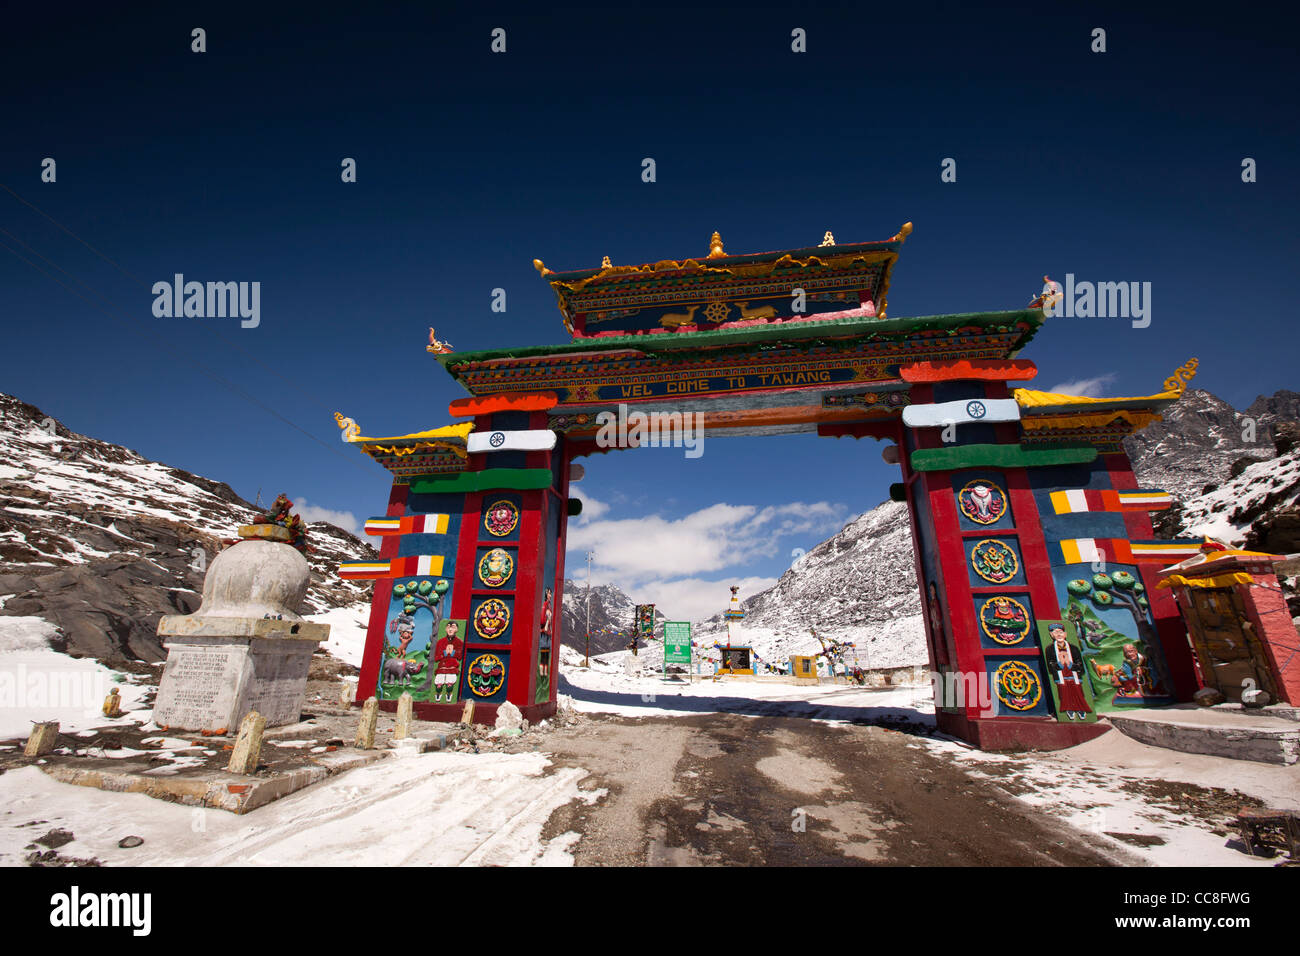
(211, 788)
(1236, 734)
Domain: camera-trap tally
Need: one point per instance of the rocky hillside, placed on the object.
(612, 613)
(101, 542)
(1201, 438)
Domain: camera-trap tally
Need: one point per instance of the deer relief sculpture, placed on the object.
(762, 312)
(672, 320)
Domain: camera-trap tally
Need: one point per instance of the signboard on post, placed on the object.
(677, 643)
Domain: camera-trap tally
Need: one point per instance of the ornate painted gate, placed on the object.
(1033, 542)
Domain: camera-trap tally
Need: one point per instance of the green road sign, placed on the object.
(677, 642)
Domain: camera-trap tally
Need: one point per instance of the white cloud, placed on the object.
(344, 519)
(1085, 387)
(591, 508)
(695, 599)
(720, 536)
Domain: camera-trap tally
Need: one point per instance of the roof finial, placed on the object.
(715, 247)
(904, 231)
(605, 263)
(541, 268)
(1178, 381)
(828, 239)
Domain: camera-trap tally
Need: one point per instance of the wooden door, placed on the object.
(1230, 655)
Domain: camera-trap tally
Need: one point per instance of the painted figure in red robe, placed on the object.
(1067, 672)
(447, 657)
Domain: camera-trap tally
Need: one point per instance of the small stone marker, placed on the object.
(248, 745)
(113, 703)
(366, 729)
(467, 715)
(345, 695)
(42, 739)
(402, 726)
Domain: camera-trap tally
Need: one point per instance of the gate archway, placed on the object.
(1034, 549)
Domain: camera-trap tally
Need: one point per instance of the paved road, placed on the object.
(732, 790)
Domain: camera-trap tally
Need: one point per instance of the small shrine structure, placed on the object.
(1239, 623)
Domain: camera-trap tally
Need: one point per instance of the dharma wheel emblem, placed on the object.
(1017, 685)
(976, 409)
(497, 439)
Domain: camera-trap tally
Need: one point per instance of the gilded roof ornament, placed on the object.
(605, 263)
(350, 428)
(828, 239)
(1178, 381)
(541, 268)
(715, 247)
(437, 346)
(904, 231)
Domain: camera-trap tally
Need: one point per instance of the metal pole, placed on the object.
(586, 656)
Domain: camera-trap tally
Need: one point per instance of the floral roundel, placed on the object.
(994, 561)
(495, 567)
(501, 518)
(982, 502)
(491, 619)
(486, 675)
(1017, 685)
(1005, 620)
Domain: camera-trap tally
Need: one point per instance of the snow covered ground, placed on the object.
(608, 687)
(439, 809)
(348, 626)
(38, 683)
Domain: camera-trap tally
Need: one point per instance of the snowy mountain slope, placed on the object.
(612, 614)
(859, 586)
(101, 541)
(1201, 437)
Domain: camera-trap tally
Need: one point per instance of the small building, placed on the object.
(737, 659)
(1238, 623)
(804, 666)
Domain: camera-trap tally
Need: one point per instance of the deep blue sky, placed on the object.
(225, 166)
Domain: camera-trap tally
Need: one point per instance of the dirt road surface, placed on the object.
(723, 789)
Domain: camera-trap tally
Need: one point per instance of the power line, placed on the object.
(133, 328)
(293, 384)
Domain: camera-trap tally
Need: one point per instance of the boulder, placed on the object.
(1208, 697)
(509, 717)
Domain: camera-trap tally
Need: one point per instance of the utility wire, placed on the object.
(135, 330)
(279, 374)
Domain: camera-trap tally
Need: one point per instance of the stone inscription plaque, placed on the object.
(199, 686)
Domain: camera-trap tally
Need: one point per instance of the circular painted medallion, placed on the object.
(492, 618)
(486, 675)
(976, 409)
(1017, 685)
(982, 502)
(497, 439)
(994, 561)
(1005, 620)
(500, 518)
(496, 567)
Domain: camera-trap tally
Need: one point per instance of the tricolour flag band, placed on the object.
(1077, 500)
(409, 524)
(412, 565)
